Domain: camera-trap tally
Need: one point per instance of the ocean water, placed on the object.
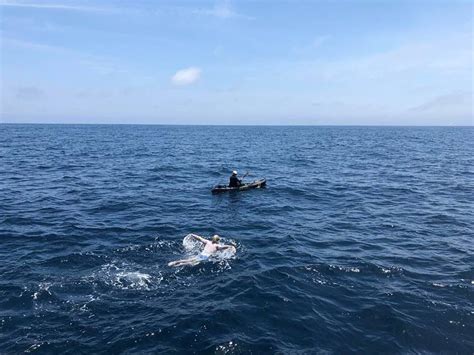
(361, 243)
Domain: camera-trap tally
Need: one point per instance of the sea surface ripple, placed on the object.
(362, 242)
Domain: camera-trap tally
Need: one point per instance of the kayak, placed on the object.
(251, 185)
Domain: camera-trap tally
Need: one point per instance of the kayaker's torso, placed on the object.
(234, 181)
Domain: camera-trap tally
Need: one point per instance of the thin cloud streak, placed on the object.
(53, 6)
(437, 55)
(32, 45)
(28, 93)
(99, 64)
(454, 102)
(222, 10)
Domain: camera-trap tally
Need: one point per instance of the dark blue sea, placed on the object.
(362, 241)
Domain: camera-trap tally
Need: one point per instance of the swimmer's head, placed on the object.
(215, 238)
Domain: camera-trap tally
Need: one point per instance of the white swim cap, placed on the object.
(234, 172)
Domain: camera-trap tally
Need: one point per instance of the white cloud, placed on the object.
(186, 76)
(223, 10)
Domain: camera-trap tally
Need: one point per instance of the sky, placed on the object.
(360, 62)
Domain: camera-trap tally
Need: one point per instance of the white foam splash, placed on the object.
(156, 245)
(190, 244)
(33, 347)
(226, 253)
(226, 348)
(43, 288)
(124, 277)
(345, 269)
(132, 279)
(318, 281)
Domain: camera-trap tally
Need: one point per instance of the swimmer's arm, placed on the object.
(201, 239)
(224, 247)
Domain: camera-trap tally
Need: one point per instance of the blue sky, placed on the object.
(237, 62)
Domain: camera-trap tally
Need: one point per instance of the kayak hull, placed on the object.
(257, 184)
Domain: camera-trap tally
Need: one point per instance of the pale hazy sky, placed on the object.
(237, 62)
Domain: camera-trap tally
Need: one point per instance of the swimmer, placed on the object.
(211, 247)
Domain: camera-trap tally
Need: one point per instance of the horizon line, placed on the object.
(225, 125)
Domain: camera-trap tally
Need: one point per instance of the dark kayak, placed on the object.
(251, 185)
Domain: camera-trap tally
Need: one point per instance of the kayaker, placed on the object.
(234, 181)
(210, 248)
